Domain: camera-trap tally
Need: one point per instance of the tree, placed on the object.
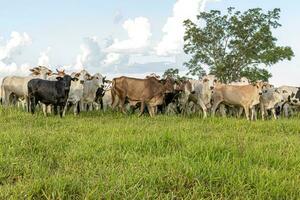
(174, 73)
(171, 72)
(235, 44)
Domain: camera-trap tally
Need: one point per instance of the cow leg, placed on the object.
(32, 104)
(203, 106)
(44, 106)
(49, 109)
(274, 113)
(143, 108)
(214, 107)
(75, 108)
(6, 98)
(246, 108)
(240, 112)
(55, 109)
(27, 101)
(122, 104)
(151, 111)
(155, 109)
(286, 110)
(253, 113)
(65, 109)
(61, 107)
(263, 111)
(81, 105)
(222, 110)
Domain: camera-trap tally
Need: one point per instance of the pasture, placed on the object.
(113, 156)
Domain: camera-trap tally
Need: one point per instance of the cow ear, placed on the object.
(59, 78)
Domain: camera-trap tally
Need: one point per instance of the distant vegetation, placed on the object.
(112, 156)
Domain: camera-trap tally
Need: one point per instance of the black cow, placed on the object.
(49, 93)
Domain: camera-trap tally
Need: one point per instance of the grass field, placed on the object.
(112, 156)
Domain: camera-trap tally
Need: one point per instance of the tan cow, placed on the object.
(148, 91)
(246, 96)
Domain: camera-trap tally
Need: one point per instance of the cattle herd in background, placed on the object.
(59, 92)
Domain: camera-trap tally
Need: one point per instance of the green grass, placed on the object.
(113, 156)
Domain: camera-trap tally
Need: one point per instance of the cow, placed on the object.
(203, 90)
(17, 85)
(149, 92)
(49, 93)
(90, 88)
(287, 92)
(269, 100)
(246, 96)
(75, 96)
(294, 99)
(83, 75)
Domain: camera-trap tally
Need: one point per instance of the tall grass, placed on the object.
(113, 156)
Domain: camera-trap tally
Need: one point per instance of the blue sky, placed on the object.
(103, 36)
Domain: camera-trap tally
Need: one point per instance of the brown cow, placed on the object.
(246, 96)
(148, 91)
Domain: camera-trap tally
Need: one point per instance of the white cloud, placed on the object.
(9, 50)
(13, 68)
(14, 46)
(44, 59)
(91, 54)
(115, 59)
(172, 40)
(139, 33)
(118, 17)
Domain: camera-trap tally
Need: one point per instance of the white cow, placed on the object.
(269, 100)
(203, 90)
(17, 85)
(90, 88)
(75, 96)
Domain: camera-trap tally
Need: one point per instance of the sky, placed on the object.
(121, 37)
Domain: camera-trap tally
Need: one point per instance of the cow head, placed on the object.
(66, 81)
(209, 81)
(82, 76)
(98, 79)
(60, 73)
(169, 85)
(184, 86)
(44, 72)
(41, 72)
(245, 80)
(261, 86)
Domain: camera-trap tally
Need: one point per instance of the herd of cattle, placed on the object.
(58, 92)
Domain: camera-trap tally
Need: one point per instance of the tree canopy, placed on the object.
(234, 44)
